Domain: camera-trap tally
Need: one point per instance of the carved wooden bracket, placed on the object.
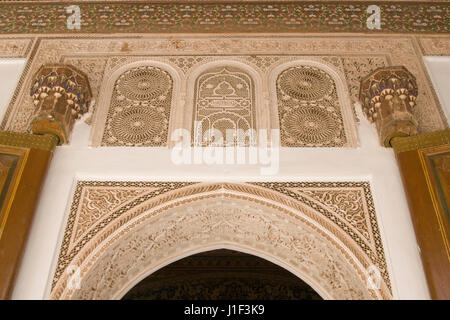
(61, 94)
(388, 96)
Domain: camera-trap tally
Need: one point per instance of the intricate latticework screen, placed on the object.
(140, 108)
(224, 101)
(308, 109)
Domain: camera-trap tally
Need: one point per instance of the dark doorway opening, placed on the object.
(222, 275)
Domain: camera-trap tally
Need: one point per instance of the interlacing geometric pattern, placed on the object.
(140, 108)
(308, 109)
(224, 101)
(324, 232)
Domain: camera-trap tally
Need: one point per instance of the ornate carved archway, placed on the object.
(142, 227)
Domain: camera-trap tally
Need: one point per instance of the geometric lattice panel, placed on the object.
(140, 108)
(308, 109)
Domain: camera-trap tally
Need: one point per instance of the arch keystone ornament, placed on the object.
(388, 96)
(61, 94)
(117, 233)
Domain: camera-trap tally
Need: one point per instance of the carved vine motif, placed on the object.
(98, 202)
(339, 204)
(240, 224)
(347, 204)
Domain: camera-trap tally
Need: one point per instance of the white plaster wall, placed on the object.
(78, 161)
(439, 71)
(10, 71)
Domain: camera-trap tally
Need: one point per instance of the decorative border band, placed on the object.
(194, 17)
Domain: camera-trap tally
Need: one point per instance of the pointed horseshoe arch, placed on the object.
(208, 216)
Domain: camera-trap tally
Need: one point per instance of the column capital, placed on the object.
(61, 95)
(388, 97)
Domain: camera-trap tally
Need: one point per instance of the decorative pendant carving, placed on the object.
(388, 96)
(61, 94)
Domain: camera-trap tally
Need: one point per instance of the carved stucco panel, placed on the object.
(398, 50)
(97, 202)
(308, 108)
(262, 69)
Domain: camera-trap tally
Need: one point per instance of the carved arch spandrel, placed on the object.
(196, 217)
(339, 99)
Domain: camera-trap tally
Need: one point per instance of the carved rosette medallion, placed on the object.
(61, 94)
(388, 96)
(140, 108)
(308, 109)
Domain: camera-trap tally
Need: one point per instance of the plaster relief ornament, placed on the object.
(308, 108)
(388, 96)
(353, 57)
(224, 101)
(140, 108)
